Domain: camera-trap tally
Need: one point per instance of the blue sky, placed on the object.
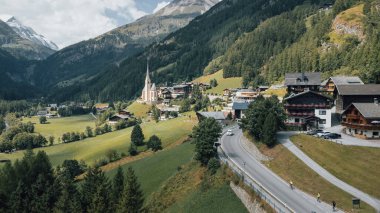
(67, 22)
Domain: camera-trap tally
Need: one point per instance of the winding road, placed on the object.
(297, 200)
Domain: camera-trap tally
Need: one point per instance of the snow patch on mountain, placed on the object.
(29, 34)
(177, 7)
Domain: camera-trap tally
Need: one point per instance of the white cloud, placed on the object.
(161, 5)
(69, 21)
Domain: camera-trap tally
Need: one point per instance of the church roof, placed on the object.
(153, 87)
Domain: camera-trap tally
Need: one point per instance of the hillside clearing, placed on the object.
(223, 83)
(140, 110)
(357, 166)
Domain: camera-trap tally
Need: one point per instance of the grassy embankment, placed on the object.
(357, 166)
(223, 83)
(140, 110)
(289, 167)
(93, 149)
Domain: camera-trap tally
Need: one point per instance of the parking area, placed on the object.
(350, 140)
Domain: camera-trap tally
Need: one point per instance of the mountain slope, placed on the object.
(185, 53)
(29, 34)
(20, 47)
(79, 62)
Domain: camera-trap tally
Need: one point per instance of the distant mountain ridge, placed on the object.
(20, 47)
(82, 61)
(28, 33)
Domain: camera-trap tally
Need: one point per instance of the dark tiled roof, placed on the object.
(346, 80)
(215, 115)
(240, 105)
(359, 89)
(368, 110)
(310, 78)
(303, 93)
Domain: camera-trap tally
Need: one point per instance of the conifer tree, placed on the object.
(118, 187)
(137, 136)
(133, 198)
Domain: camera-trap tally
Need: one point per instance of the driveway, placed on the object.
(350, 140)
(283, 138)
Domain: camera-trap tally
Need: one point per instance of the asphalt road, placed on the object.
(295, 199)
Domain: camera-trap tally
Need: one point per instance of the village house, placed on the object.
(262, 88)
(218, 116)
(345, 95)
(116, 118)
(245, 95)
(239, 109)
(308, 110)
(329, 85)
(181, 90)
(101, 107)
(362, 120)
(300, 82)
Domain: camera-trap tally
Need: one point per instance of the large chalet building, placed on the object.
(345, 95)
(301, 82)
(330, 84)
(362, 120)
(308, 110)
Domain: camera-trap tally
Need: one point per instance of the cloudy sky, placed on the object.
(67, 22)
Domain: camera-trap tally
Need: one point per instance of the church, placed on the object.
(149, 93)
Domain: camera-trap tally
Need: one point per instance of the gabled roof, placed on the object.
(246, 90)
(120, 116)
(307, 78)
(346, 80)
(240, 105)
(368, 110)
(153, 87)
(215, 115)
(359, 89)
(306, 92)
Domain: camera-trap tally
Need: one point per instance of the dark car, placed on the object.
(314, 132)
(332, 136)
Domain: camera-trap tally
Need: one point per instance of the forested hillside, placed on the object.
(183, 54)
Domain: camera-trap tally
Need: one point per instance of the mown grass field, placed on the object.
(57, 126)
(139, 110)
(357, 166)
(93, 149)
(289, 167)
(223, 83)
(278, 92)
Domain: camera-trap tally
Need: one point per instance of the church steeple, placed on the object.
(147, 78)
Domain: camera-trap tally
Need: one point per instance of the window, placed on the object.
(322, 121)
(322, 112)
(375, 133)
(297, 120)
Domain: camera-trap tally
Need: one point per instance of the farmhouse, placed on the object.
(308, 110)
(362, 93)
(116, 118)
(329, 85)
(239, 109)
(362, 120)
(182, 90)
(219, 116)
(300, 82)
(245, 95)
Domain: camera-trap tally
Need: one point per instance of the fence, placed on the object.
(259, 189)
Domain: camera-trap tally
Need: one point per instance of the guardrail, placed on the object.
(259, 189)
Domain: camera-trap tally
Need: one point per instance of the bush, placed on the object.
(213, 165)
(154, 143)
(43, 120)
(133, 150)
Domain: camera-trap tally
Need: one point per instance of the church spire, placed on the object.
(147, 79)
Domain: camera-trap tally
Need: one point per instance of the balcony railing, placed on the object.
(301, 114)
(308, 106)
(361, 126)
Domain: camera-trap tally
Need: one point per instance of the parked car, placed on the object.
(321, 134)
(314, 131)
(230, 133)
(332, 136)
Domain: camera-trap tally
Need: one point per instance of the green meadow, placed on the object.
(92, 149)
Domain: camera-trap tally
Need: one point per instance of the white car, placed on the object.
(230, 133)
(321, 134)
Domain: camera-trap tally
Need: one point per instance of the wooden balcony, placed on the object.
(361, 126)
(294, 124)
(300, 114)
(308, 106)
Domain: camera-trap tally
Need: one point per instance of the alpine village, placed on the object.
(222, 106)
